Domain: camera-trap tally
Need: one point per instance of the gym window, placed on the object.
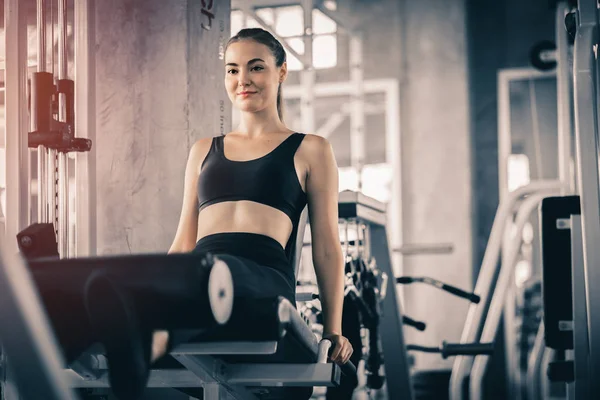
(376, 180)
(288, 23)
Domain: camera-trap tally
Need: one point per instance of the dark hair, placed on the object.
(264, 37)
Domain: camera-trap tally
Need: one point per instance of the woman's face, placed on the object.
(251, 76)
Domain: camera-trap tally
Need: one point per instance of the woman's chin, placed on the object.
(246, 107)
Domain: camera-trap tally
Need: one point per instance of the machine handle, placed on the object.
(467, 349)
(348, 369)
(418, 325)
(472, 297)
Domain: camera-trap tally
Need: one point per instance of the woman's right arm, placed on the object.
(187, 229)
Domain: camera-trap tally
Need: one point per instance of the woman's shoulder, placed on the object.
(200, 149)
(313, 145)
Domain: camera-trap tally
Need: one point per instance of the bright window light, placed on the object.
(298, 45)
(322, 24)
(267, 15)
(290, 21)
(518, 171)
(325, 51)
(251, 23)
(376, 181)
(237, 22)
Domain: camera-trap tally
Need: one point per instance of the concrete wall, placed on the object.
(436, 159)
(159, 89)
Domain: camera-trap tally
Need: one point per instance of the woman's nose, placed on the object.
(243, 79)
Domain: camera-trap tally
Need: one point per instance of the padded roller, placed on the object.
(220, 291)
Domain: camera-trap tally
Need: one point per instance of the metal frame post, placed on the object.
(564, 103)
(42, 172)
(17, 152)
(308, 75)
(357, 116)
(63, 174)
(85, 126)
(585, 69)
(581, 341)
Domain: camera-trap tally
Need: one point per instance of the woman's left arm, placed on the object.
(322, 190)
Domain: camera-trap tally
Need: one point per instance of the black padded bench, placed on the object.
(266, 342)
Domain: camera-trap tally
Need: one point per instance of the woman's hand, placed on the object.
(341, 348)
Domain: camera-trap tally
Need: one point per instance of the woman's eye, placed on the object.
(258, 68)
(231, 71)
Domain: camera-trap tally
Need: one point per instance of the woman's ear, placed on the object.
(283, 72)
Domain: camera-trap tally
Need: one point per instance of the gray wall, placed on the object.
(159, 89)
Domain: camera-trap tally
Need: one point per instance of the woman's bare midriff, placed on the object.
(244, 216)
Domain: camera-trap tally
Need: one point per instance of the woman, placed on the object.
(244, 192)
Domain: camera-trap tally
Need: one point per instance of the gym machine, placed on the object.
(162, 286)
(371, 287)
(571, 226)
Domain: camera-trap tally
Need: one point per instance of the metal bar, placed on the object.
(534, 366)
(343, 19)
(222, 348)
(308, 73)
(307, 102)
(399, 386)
(580, 320)
(564, 106)
(17, 151)
(63, 176)
(51, 194)
(425, 249)
(85, 126)
(42, 215)
(28, 340)
(318, 374)
(476, 313)
(213, 372)
(357, 116)
(505, 278)
(239, 4)
(586, 133)
(511, 357)
(393, 157)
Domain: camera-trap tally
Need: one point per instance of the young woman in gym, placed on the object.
(244, 192)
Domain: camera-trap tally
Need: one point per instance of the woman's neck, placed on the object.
(256, 124)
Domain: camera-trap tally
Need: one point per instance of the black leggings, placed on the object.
(258, 264)
(260, 269)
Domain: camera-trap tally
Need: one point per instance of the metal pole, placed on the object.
(393, 156)
(505, 279)
(476, 314)
(357, 116)
(51, 157)
(564, 104)
(586, 132)
(308, 73)
(17, 151)
(42, 202)
(85, 126)
(63, 176)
